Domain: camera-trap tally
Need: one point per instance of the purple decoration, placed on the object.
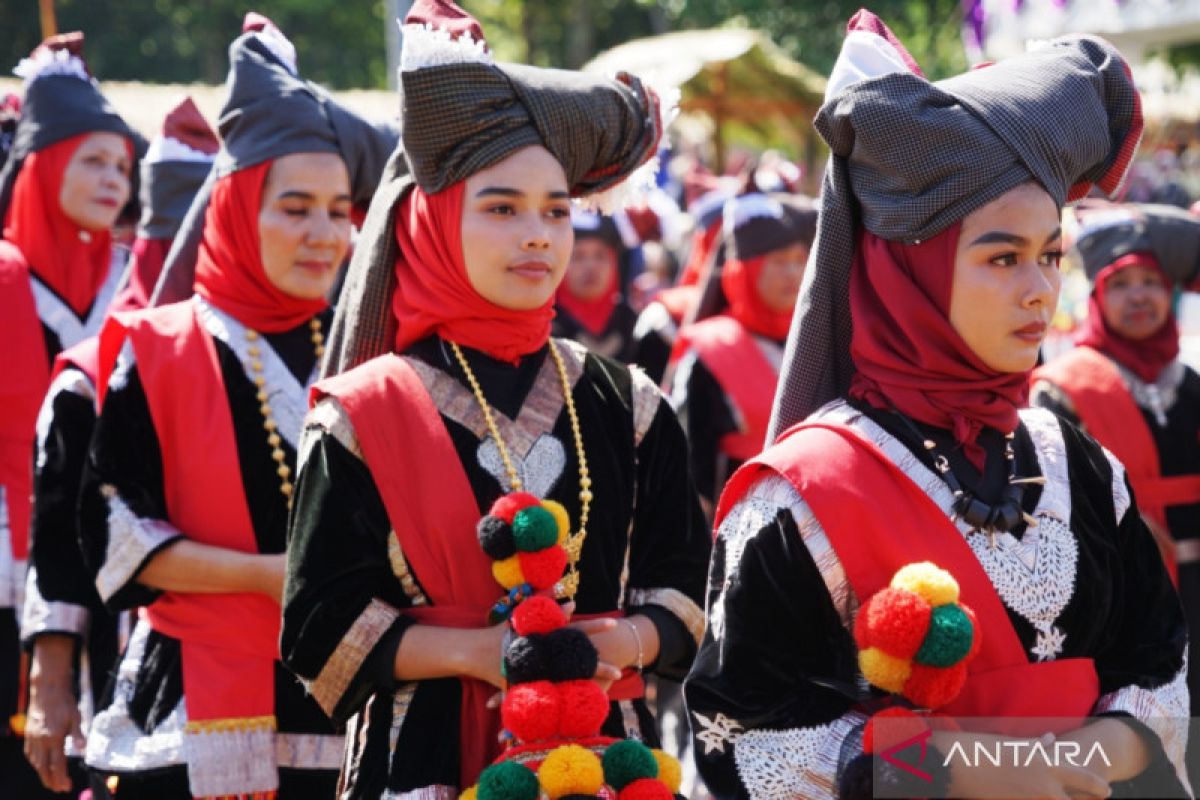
(973, 24)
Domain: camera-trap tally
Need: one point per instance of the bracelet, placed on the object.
(637, 637)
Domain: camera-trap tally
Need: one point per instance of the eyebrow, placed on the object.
(1003, 237)
(298, 195)
(507, 191)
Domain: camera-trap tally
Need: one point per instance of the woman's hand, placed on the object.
(1024, 778)
(53, 713)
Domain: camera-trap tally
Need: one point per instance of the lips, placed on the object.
(314, 266)
(1033, 332)
(533, 270)
(107, 202)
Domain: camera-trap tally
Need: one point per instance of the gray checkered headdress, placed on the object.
(270, 112)
(461, 113)
(909, 158)
(174, 168)
(1108, 232)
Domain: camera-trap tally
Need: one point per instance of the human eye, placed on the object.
(296, 212)
(1052, 258)
(560, 212)
(501, 209)
(1008, 259)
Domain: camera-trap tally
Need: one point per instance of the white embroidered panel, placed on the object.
(792, 763)
(131, 539)
(69, 380)
(539, 469)
(288, 399)
(61, 318)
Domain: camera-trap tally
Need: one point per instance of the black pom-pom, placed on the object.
(527, 659)
(572, 656)
(496, 538)
(856, 781)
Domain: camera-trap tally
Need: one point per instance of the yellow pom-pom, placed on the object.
(669, 771)
(887, 672)
(508, 572)
(933, 583)
(570, 769)
(469, 794)
(561, 517)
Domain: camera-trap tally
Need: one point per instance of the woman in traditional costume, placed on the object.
(66, 180)
(724, 383)
(1124, 383)
(465, 404)
(590, 307)
(932, 284)
(189, 479)
(72, 638)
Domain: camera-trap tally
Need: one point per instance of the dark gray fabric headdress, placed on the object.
(909, 158)
(175, 166)
(462, 113)
(61, 100)
(756, 224)
(1171, 234)
(593, 225)
(271, 112)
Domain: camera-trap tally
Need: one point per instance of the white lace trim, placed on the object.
(168, 148)
(61, 318)
(69, 380)
(1159, 396)
(437, 792)
(288, 399)
(793, 763)
(45, 62)
(131, 540)
(1121, 499)
(40, 615)
(427, 46)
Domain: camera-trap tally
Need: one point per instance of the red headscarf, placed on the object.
(1146, 358)
(592, 314)
(906, 352)
(229, 268)
(739, 281)
(433, 294)
(52, 244)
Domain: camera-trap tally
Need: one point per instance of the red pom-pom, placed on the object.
(544, 568)
(507, 506)
(584, 708)
(895, 621)
(532, 711)
(934, 687)
(646, 789)
(977, 637)
(539, 614)
(902, 724)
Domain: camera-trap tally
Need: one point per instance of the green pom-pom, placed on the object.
(627, 761)
(534, 528)
(508, 780)
(948, 639)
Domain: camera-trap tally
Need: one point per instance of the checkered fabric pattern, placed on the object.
(1170, 233)
(909, 158)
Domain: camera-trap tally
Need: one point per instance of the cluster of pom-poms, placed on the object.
(524, 537)
(550, 669)
(629, 769)
(915, 638)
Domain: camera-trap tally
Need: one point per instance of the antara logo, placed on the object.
(1022, 752)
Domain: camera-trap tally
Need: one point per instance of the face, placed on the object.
(1137, 301)
(95, 185)
(304, 222)
(516, 229)
(779, 281)
(1006, 278)
(589, 274)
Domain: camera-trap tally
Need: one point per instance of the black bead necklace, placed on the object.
(1002, 517)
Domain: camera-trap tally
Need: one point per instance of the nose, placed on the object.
(536, 236)
(1041, 287)
(322, 232)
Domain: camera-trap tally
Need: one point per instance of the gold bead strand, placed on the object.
(514, 480)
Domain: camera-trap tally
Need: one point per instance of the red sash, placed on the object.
(880, 521)
(1108, 411)
(730, 353)
(25, 368)
(229, 641)
(433, 511)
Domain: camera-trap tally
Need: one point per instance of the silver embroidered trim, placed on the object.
(647, 398)
(288, 399)
(69, 380)
(329, 416)
(1121, 499)
(401, 701)
(793, 763)
(438, 792)
(131, 539)
(1158, 396)
(539, 469)
(1164, 709)
(309, 751)
(344, 662)
(12, 571)
(675, 601)
(60, 318)
(115, 743)
(222, 763)
(40, 615)
(655, 318)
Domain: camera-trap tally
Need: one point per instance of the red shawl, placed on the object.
(739, 281)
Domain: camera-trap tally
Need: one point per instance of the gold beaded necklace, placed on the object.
(269, 424)
(566, 588)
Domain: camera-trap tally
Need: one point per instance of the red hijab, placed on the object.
(592, 314)
(739, 281)
(52, 244)
(433, 294)
(906, 352)
(1145, 358)
(229, 268)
